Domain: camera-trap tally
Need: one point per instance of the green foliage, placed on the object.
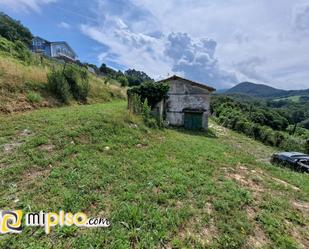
(109, 72)
(123, 81)
(59, 86)
(71, 81)
(135, 104)
(131, 77)
(153, 92)
(142, 108)
(259, 122)
(13, 30)
(78, 81)
(16, 49)
(34, 97)
(136, 78)
(149, 120)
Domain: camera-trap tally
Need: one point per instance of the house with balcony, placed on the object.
(59, 50)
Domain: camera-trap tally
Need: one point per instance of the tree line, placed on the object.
(276, 126)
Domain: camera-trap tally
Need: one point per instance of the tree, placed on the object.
(136, 78)
(13, 30)
(297, 116)
(123, 81)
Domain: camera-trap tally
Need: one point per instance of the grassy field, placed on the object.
(159, 188)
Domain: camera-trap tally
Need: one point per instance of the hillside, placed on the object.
(23, 81)
(264, 91)
(159, 188)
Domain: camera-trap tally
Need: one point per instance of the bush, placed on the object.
(123, 81)
(292, 144)
(71, 81)
(153, 92)
(22, 51)
(59, 86)
(17, 50)
(34, 97)
(78, 81)
(279, 138)
(149, 120)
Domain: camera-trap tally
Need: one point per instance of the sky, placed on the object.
(217, 42)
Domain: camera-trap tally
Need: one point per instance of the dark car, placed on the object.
(295, 160)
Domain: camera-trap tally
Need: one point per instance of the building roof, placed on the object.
(175, 77)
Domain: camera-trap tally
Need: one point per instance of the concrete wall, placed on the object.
(183, 95)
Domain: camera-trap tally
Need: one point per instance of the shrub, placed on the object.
(71, 81)
(123, 81)
(78, 81)
(153, 92)
(240, 125)
(16, 49)
(292, 144)
(34, 97)
(22, 51)
(59, 86)
(135, 104)
(13, 30)
(250, 129)
(279, 138)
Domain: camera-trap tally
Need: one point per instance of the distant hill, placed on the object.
(264, 91)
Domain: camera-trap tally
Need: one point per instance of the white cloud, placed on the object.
(25, 5)
(130, 49)
(64, 25)
(263, 41)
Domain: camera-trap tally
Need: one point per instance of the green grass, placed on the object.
(159, 188)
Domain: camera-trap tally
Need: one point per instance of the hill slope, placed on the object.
(160, 188)
(23, 81)
(264, 91)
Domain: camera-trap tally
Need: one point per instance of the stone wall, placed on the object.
(183, 95)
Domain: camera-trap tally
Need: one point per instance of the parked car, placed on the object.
(295, 160)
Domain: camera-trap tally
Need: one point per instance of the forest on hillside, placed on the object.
(284, 124)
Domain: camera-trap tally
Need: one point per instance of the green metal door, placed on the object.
(193, 121)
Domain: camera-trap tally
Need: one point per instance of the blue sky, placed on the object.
(220, 42)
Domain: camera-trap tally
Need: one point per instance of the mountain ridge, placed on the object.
(264, 91)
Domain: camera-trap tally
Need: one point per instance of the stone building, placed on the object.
(187, 104)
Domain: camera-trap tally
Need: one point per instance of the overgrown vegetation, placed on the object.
(143, 98)
(272, 126)
(15, 49)
(24, 83)
(153, 92)
(23, 78)
(13, 30)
